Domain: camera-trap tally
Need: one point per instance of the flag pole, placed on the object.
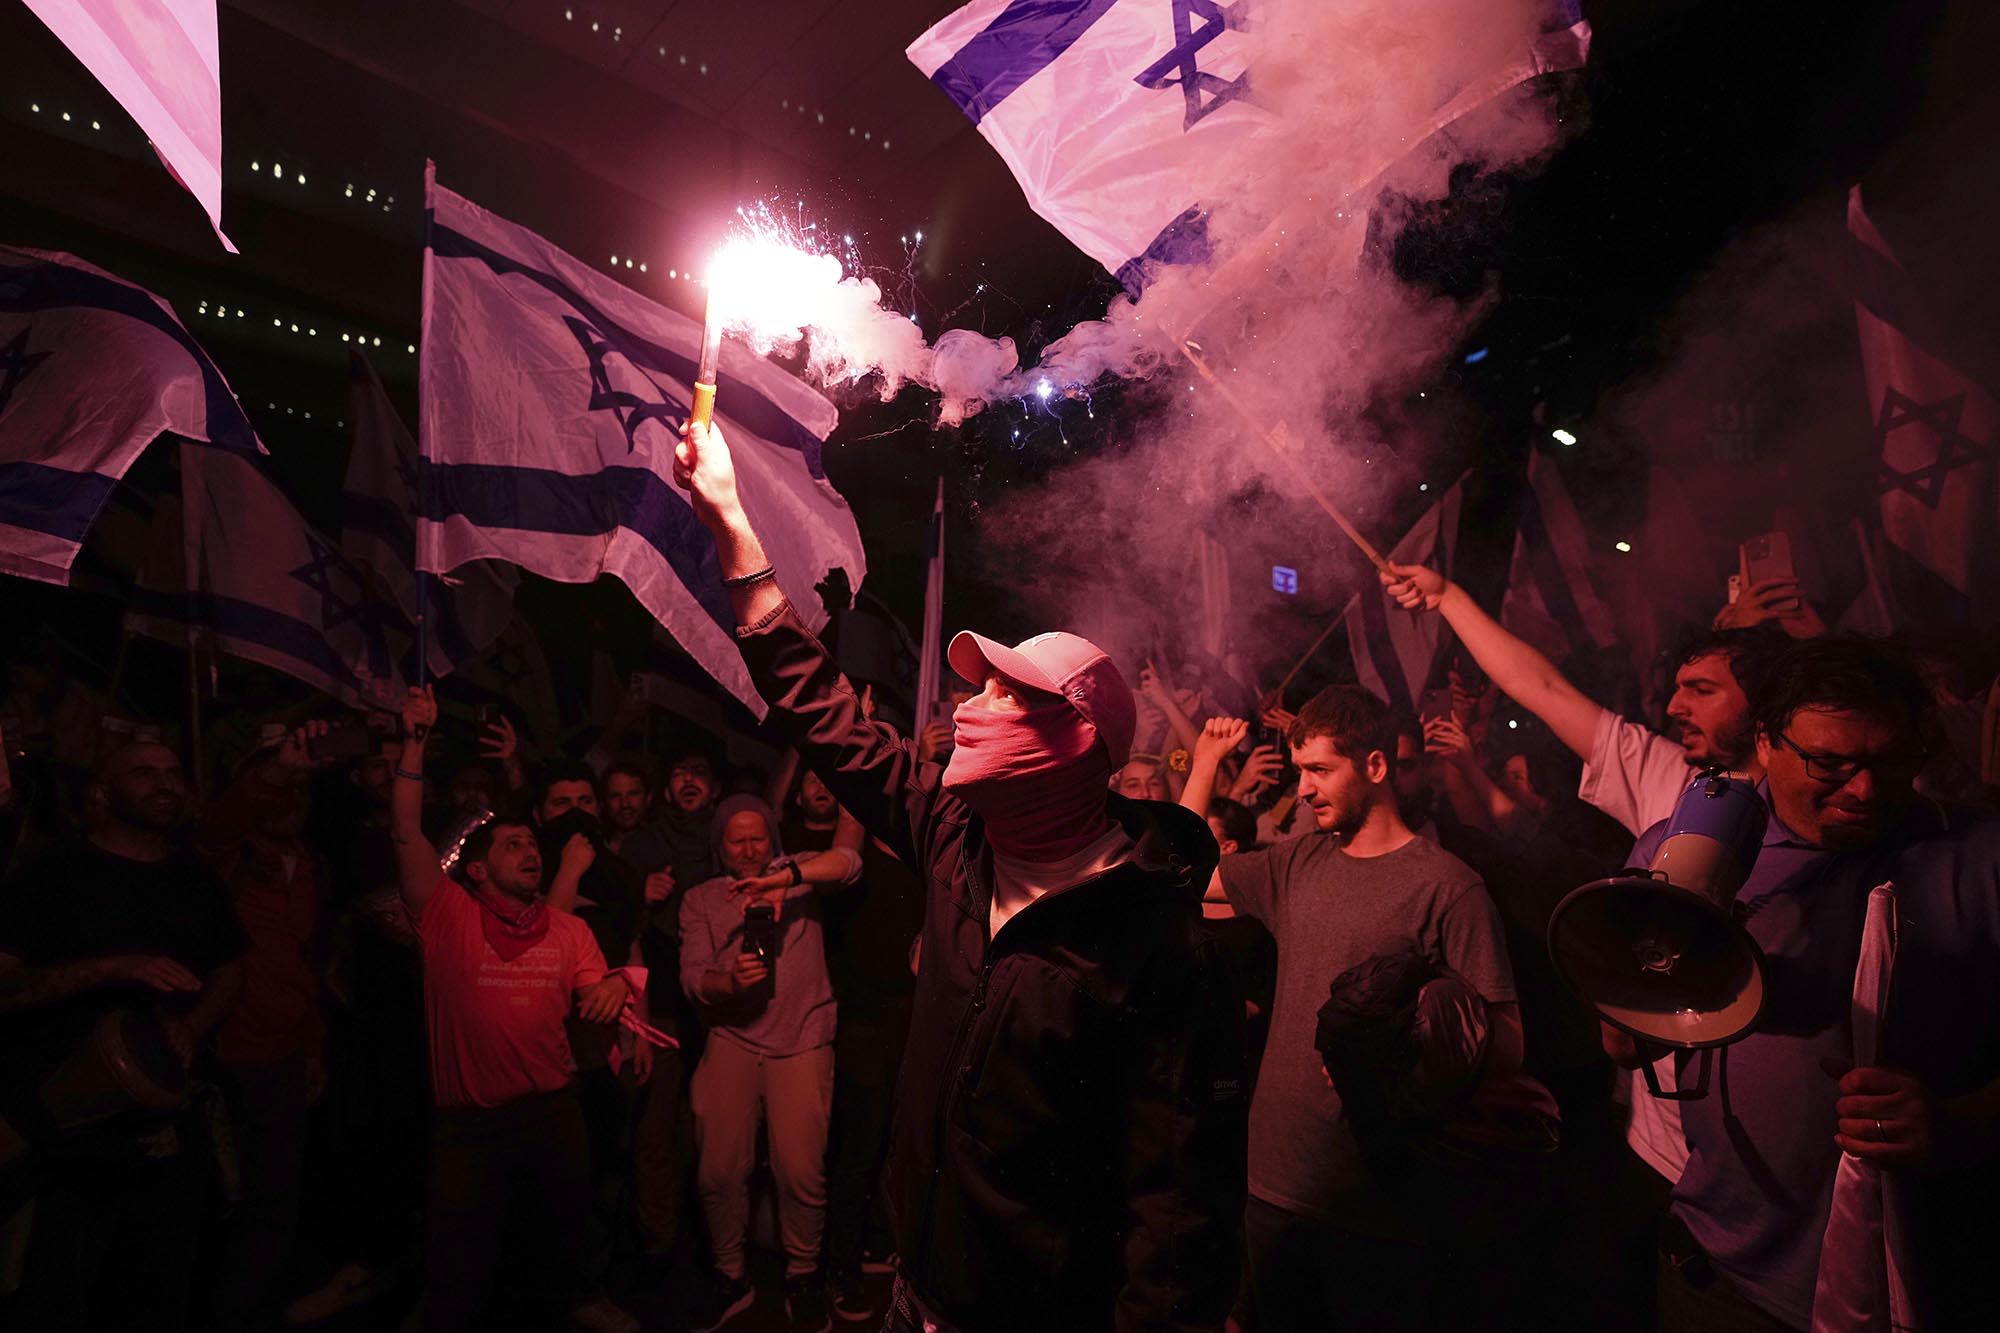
(191, 577)
(1281, 445)
(1309, 653)
(422, 495)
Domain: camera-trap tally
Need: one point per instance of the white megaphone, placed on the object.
(1658, 953)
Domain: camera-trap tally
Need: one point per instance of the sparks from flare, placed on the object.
(784, 281)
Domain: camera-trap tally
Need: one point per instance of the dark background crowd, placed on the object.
(220, 1109)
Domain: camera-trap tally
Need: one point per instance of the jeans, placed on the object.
(659, 1156)
(530, 1157)
(267, 1107)
(1311, 1276)
(866, 1054)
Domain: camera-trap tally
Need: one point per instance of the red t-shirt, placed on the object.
(496, 1028)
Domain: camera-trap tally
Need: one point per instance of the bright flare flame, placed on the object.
(771, 291)
(782, 282)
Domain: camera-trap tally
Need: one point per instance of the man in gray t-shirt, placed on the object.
(1327, 1246)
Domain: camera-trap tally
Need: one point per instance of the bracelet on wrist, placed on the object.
(798, 875)
(402, 772)
(745, 580)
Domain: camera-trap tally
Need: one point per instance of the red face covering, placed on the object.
(1038, 778)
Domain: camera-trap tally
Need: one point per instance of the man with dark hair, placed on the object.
(1630, 772)
(671, 854)
(1329, 1245)
(1067, 1149)
(1839, 734)
(626, 799)
(502, 971)
(119, 920)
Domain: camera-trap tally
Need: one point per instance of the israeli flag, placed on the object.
(92, 369)
(463, 613)
(268, 588)
(1111, 113)
(551, 395)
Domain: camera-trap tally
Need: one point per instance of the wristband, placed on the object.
(798, 875)
(745, 580)
(402, 772)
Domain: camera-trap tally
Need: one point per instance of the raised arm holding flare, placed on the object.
(1062, 950)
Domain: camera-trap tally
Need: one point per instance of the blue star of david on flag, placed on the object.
(1203, 92)
(16, 361)
(1955, 449)
(630, 410)
(324, 573)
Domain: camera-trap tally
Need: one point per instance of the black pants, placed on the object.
(529, 1158)
(267, 1108)
(866, 1054)
(1313, 1277)
(112, 1242)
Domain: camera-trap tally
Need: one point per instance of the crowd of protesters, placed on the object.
(403, 1023)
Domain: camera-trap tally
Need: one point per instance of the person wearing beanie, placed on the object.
(1070, 1133)
(768, 1005)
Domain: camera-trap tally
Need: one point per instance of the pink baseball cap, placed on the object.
(1058, 663)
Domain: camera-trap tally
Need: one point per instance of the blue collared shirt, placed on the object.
(1761, 1155)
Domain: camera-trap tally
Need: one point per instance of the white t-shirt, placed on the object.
(1635, 775)
(1632, 773)
(1018, 883)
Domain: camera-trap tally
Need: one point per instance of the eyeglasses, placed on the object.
(1839, 769)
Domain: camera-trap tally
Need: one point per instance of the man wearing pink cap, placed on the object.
(1069, 1145)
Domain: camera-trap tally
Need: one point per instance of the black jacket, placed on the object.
(1071, 1121)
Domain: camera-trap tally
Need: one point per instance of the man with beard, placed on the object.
(671, 853)
(501, 972)
(120, 919)
(1840, 735)
(1629, 772)
(1329, 1245)
(627, 800)
(1068, 1143)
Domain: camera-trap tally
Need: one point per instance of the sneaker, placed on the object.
(805, 1303)
(723, 1299)
(600, 1314)
(878, 1261)
(850, 1300)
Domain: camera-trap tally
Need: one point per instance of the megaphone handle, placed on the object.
(1651, 1054)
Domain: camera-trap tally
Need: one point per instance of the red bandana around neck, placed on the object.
(1038, 778)
(512, 928)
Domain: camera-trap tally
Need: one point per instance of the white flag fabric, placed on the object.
(462, 615)
(1112, 113)
(1551, 599)
(1937, 428)
(269, 589)
(930, 657)
(92, 369)
(1863, 1284)
(159, 59)
(1395, 651)
(550, 395)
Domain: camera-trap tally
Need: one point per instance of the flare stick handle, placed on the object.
(705, 370)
